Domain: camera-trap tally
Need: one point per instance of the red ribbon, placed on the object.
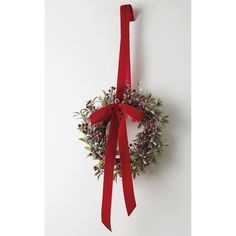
(117, 113)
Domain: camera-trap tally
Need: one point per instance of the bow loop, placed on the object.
(132, 113)
(102, 114)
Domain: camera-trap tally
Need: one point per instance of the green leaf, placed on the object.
(87, 148)
(83, 140)
(98, 176)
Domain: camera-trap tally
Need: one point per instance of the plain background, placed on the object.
(82, 46)
(22, 135)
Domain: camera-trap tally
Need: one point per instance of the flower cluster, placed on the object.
(147, 146)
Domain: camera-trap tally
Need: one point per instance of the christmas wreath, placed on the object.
(103, 123)
(147, 146)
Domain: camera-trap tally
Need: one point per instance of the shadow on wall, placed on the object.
(169, 108)
(154, 172)
(137, 65)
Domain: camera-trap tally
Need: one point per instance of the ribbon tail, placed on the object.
(125, 162)
(110, 154)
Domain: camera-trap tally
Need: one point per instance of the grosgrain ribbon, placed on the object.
(116, 113)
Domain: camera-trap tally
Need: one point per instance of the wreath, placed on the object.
(147, 146)
(109, 145)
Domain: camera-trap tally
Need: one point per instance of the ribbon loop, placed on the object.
(116, 113)
(128, 11)
(102, 114)
(132, 113)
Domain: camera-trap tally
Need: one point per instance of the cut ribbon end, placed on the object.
(107, 225)
(131, 210)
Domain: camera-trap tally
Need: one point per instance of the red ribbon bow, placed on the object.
(117, 113)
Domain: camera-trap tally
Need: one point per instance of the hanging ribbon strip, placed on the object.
(117, 113)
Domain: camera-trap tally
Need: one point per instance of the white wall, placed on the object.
(82, 45)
